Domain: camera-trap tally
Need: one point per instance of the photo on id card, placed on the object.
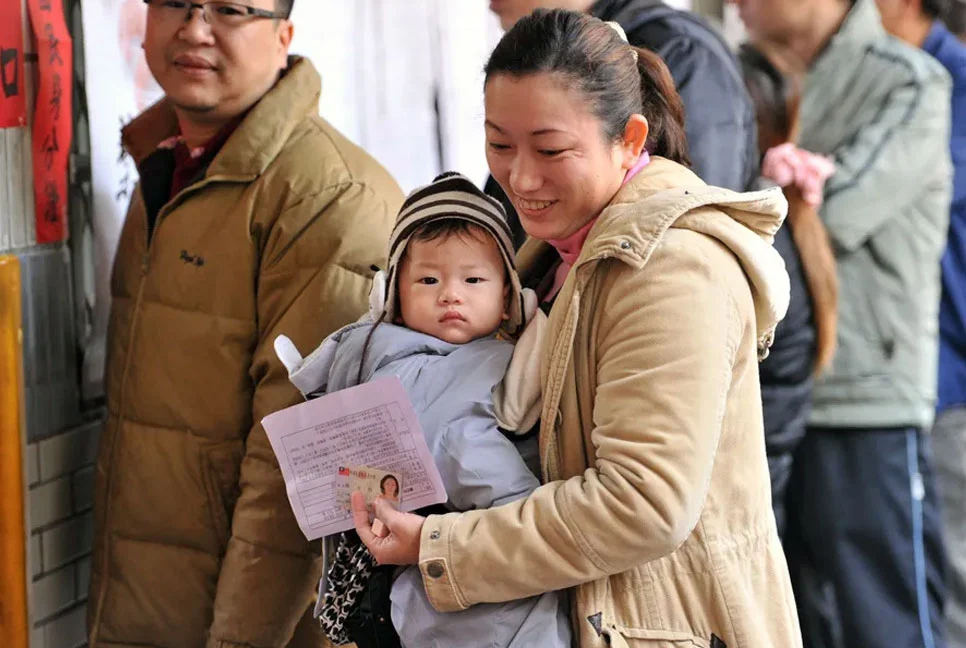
(371, 482)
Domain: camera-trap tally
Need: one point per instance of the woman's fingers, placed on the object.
(397, 543)
(360, 517)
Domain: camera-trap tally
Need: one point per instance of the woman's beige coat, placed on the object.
(657, 507)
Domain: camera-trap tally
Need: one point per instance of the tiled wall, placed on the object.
(60, 476)
(61, 431)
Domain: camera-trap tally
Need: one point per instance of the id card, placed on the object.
(371, 482)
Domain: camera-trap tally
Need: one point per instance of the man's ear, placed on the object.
(284, 34)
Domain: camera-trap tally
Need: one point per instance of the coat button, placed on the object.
(435, 570)
(625, 245)
(434, 535)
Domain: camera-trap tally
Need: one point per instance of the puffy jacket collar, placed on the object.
(665, 195)
(259, 138)
(658, 196)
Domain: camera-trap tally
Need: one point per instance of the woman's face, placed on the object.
(546, 148)
(391, 488)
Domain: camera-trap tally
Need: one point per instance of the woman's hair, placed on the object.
(382, 483)
(774, 84)
(591, 57)
(774, 94)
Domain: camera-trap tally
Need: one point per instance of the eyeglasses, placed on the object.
(216, 14)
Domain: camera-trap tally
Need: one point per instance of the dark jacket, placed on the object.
(720, 120)
(786, 376)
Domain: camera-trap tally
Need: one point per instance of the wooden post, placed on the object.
(13, 536)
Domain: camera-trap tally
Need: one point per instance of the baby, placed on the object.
(451, 289)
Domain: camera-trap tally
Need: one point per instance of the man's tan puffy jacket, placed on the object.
(195, 542)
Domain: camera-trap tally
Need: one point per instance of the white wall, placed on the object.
(385, 62)
(734, 30)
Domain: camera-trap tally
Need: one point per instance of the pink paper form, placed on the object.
(373, 424)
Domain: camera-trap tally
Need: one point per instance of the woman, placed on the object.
(805, 339)
(664, 291)
(389, 488)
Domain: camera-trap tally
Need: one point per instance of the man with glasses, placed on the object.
(253, 218)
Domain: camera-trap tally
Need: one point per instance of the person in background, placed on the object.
(389, 487)
(864, 519)
(253, 217)
(719, 119)
(805, 338)
(918, 23)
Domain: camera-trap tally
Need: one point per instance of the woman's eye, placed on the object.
(498, 147)
(551, 152)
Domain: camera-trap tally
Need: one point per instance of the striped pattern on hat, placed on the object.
(453, 196)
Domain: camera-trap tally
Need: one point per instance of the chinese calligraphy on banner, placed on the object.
(13, 107)
(53, 118)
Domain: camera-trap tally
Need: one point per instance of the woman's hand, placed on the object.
(398, 543)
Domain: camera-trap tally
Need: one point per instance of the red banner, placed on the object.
(13, 106)
(53, 119)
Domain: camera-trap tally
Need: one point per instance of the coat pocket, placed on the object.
(220, 468)
(620, 637)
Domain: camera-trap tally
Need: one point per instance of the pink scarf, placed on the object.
(786, 164)
(570, 248)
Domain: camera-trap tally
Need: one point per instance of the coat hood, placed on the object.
(664, 195)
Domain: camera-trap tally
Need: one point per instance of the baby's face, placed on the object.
(454, 287)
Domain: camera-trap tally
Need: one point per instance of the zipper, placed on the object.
(550, 455)
(135, 320)
(174, 203)
(150, 234)
(119, 430)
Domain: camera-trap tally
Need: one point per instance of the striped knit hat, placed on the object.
(453, 196)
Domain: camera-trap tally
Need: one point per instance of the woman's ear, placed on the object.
(633, 140)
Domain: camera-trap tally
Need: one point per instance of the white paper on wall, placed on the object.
(119, 86)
